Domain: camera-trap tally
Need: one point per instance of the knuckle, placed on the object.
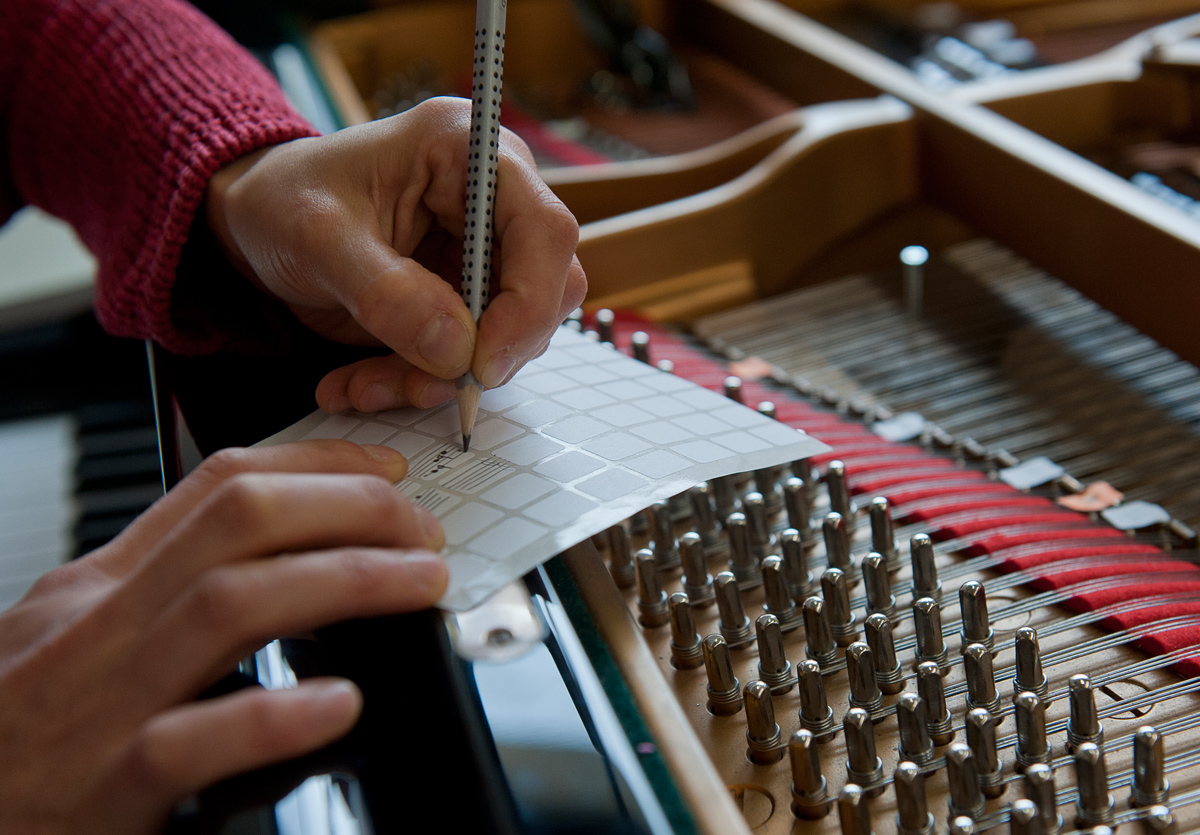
(155, 764)
(214, 602)
(242, 503)
(226, 463)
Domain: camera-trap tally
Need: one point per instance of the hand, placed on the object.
(360, 234)
(99, 660)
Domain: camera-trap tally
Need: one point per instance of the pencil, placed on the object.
(483, 155)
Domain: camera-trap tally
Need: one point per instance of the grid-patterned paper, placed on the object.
(581, 438)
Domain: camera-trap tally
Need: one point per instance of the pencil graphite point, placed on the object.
(469, 392)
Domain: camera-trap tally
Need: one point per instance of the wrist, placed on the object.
(218, 196)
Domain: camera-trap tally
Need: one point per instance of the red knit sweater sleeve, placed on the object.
(115, 114)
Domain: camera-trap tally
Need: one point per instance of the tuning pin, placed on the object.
(665, 366)
(931, 646)
(764, 742)
(883, 537)
(575, 317)
(810, 792)
(686, 653)
(605, 319)
(843, 623)
(1029, 676)
(620, 554)
(1039, 787)
(653, 609)
(1023, 818)
(798, 506)
(1158, 821)
(640, 343)
(981, 679)
(837, 542)
(966, 798)
(704, 518)
(766, 483)
(854, 811)
(887, 666)
(773, 666)
(818, 641)
(697, 582)
(961, 825)
(1150, 786)
(1094, 806)
(912, 720)
(863, 766)
(925, 582)
(800, 581)
(860, 669)
(932, 691)
(735, 627)
(803, 470)
(724, 690)
(663, 543)
(1032, 746)
(755, 509)
(724, 500)
(1084, 723)
(816, 716)
(912, 804)
(878, 586)
(981, 739)
(777, 596)
(742, 561)
(839, 494)
(733, 388)
(972, 603)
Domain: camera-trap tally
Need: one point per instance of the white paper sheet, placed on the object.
(582, 438)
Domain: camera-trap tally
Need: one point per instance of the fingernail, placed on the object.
(431, 528)
(498, 368)
(444, 343)
(336, 701)
(437, 392)
(378, 398)
(382, 454)
(338, 404)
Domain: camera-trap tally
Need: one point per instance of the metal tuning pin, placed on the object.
(931, 646)
(912, 719)
(1150, 786)
(837, 542)
(800, 581)
(803, 469)
(724, 690)
(925, 582)
(653, 609)
(972, 603)
(742, 561)
(767, 409)
(843, 623)
(933, 692)
(1039, 787)
(704, 518)
(766, 482)
(863, 766)
(816, 716)
(755, 509)
(961, 825)
(697, 582)
(878, 585)
(735, 627)
(665, 366)
(724, 499)
(1159, 821)
(860, 669)
(912, 804)
(733, 388)
(981, 739)
(686, 652)
(620, 555)
(777, 594)
(887, 665)
(605, 319)
(966, 798)
(663, 542)
(883, 536)
(1084, 722)
(640, 343)
(839, 494)
(1032, 745)
(981, 679)
(773, 667)
(1023, 818)
(1094, 807)
(810, 792)
(798, 506)
(854, 811)
(818, 641)
(1030, 676)
(764, 741)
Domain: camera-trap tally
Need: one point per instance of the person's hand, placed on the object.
(360, 234)
(99, 660)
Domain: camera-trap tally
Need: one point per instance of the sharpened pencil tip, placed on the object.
(466, 443)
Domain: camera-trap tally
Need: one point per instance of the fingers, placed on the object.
(193, 746)
(318, 456)
(234, 609)
(380, 383)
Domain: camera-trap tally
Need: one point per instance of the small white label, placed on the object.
(1133, 516)
(1032, 473)
(899, 428)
